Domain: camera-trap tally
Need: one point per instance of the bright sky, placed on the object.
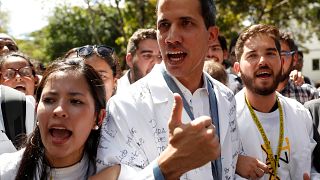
(30, 15)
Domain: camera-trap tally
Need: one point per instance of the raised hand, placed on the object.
(297, 77)
(190, 145)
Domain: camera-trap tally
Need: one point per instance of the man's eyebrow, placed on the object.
(162, 20)
(215, 45)
(146, 51)
(186, 18)
(272, 49)
(251, 51)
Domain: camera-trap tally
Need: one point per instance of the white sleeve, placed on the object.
(30, 113)
(118, 146)
(129, 173)
(9, 164)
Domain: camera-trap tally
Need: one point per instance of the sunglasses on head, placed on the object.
(102, 50)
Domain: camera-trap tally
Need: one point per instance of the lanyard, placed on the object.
(274, 161)
(175, 89)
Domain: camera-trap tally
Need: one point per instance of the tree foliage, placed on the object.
(4, 20)
(113, 22)
(290, 15)
(74, 27)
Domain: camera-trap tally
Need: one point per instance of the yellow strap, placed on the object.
(274, 162)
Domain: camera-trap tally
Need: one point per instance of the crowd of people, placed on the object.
(188, 107)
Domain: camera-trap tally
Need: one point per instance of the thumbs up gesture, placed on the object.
(190, 145)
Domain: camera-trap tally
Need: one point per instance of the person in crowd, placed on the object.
(18, 72)
(142, 54)
(70, 108)
(16, 118)
(232, 55)
(299, 65)
(104, 60)
(314, 107)
(219, 53)
(7, 44)
(200, 139)
(287, 87)
(275, 129)
(216, 71)
(39, 67)
(237, 83)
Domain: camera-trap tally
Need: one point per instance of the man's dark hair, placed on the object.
(286, 37)
(233, 43)
(253, 31)
(208, 12)
(137, 37)
(223, 43)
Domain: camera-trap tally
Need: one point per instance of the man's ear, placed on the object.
(213, 34)
(236, 67)
(129, 59)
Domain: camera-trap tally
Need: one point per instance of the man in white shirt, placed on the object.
(218, 52)
(140, 134)
(142, 54)
(275, 129)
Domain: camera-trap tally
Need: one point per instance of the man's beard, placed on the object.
(264, 91)
(136, 72)
(285, 75)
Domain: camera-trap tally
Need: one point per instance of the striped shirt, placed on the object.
(302, 94)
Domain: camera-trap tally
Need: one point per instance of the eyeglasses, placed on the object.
(287, 53)
(11, 73)
(102, 50)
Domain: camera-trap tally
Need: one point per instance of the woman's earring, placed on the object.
(96, 127)
(37, 123)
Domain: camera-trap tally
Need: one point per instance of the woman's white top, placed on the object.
(10, 163)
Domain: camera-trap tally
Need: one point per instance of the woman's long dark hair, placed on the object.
(33, 161)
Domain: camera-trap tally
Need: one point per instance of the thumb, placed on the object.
(176, 114)
(306, 176)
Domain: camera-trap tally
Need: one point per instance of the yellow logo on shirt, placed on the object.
(284, 157)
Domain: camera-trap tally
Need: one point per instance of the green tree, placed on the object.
(291, 15)
(4, 20)
(71, 27)
(102, 23)
(98, 23)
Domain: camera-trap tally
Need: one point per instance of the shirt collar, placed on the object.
(184, 89)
